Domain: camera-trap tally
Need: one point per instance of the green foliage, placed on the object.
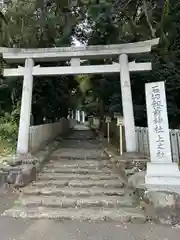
(130, 21)
(3, 22)
(9, 125)
(33, 24)
(8, 134)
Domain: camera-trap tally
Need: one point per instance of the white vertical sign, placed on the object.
(158, 127)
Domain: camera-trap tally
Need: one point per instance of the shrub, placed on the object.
(8, 132)
(8, 137)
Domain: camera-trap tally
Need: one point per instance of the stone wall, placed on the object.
(41, 134)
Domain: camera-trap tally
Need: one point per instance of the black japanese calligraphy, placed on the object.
(158, 129)
(157, 106)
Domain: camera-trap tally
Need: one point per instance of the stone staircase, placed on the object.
(78, 183)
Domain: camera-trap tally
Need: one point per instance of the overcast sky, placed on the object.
(76, 42)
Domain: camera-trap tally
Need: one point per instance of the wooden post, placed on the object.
(120, 124)
(108, 120)
(121, 142)
(108, 132)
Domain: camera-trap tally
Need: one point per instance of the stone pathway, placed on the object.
(78, 183)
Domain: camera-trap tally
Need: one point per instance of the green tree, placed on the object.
(130, 21)
(33, 24)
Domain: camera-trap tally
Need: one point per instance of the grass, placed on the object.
(8, 138)
(6, 148)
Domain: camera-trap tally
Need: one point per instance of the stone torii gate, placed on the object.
(75, 54)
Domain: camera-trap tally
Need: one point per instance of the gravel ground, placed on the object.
(47, 229)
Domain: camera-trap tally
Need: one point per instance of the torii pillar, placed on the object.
(83, 117)
(25, 115)
(128, 114)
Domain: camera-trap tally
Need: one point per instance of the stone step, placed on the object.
(80, 146)
(80, 149)
(75, 202)
(80, 157)
(53, 175)
(84, 147)
(78, 183)
(79, 166)
(87, 139)
(81, 154)
(122, 215)
(85, 163)
(79, 170)
(73, 192)
(80, 162)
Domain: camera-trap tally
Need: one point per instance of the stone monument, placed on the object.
(161, 170)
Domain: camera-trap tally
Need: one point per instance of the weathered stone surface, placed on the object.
(79, 157)
(165, 205)
(51, 175)
(77, 165)
(81, 163)
(26, 175)
(18, 159)
(11, 178)
(137, 180)
(82, 170)
(3, 177)
(16, 167)
(130, 172)
(77, 202)
(14, 162)
(80, 152)
(80, 186)
(21, 173)
(98, 183)
(66, 191)
(160, 199)
(11, 160)
(121, 215)
(83, 183)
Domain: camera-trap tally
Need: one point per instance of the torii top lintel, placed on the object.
(83, 52)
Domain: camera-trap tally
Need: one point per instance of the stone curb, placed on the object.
(113, 158)
(118, 160)
(23, 169)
